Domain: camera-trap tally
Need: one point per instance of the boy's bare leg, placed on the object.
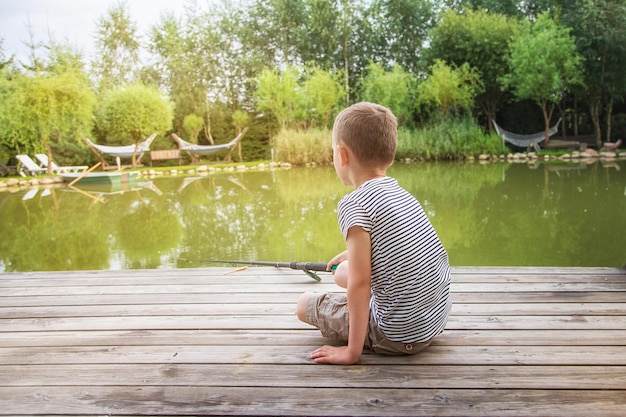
(341, 274)
(301, 306)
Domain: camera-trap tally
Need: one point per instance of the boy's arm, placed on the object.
(358, 293)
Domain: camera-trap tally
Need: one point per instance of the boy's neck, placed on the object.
(361, 177)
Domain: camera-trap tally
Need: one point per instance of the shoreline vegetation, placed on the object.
(13, 184)
(461, 140)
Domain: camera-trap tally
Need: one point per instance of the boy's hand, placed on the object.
(343, 256)
(337, 355)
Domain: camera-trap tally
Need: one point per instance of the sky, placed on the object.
(74, 21)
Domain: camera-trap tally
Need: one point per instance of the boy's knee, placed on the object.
(301, 306)
(341, 275)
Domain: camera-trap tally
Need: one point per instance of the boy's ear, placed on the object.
(343, 154)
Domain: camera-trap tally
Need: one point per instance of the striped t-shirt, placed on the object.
(410, 270)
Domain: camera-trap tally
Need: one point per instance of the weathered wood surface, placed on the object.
(520, 342)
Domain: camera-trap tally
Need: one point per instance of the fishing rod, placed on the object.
(307, 267)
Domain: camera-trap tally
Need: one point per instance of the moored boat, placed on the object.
(102, 177)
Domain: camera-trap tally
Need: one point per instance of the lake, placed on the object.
(500, 214)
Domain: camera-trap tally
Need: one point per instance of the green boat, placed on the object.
(102, 177)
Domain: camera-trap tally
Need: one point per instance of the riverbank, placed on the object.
(588, 156)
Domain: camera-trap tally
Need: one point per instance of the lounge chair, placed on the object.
(43, 160)
(28, 167)
(120, 152)
(6, 170)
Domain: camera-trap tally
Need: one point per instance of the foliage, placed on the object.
(43, 107)
(403, 31)
(481, 40)
(117, 48)
(193, 125)
(515, 8)
(393, 89)
(322, 94)
(544, 64)
(598, 27)
(210, 61)
(450, 88)
(187, 65)
(451, 138)
(278, 94)
(240, 119)
(136, 111)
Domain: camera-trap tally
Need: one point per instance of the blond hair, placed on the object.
(370, 131)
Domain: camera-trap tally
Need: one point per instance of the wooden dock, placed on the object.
(520, 342)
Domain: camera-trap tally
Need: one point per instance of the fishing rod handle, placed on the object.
(308, 266)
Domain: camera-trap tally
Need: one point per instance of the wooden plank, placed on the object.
(310, 401)
(303, 337)
(298, 288)
(298, 355)
(291, 297)
(232, 309)
(114, 278)
(289, 321)
(303, 376)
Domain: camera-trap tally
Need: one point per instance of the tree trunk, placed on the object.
(609, 116)
(547, 115)
(133, 159)
(594, 110)
(49, 153)
(207, 124)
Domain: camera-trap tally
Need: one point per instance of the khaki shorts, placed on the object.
(329, 313)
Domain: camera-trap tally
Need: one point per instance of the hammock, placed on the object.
(123, 151)
(525, 141)
(204, 150)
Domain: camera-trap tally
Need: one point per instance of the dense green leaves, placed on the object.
(299, 61)
(481, 40)
(137, 112)
(544, 64)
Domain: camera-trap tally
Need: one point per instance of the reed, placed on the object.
(451, 139)
(297, 147)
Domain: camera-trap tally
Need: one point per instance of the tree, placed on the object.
(240, 120)
(278, 94)
(53, 104)
(480, 39)
(193, 125)
(449, 87)
(276, 26)
(136, 111)
(188, 54)
(117, 48)
(404, 27)
(515, 8)
(393, 89)
(543, 64)
(323, 92)
(599, 27)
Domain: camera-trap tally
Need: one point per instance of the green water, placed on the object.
(549, 214)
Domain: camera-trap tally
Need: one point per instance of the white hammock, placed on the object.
(525, 141)
(204, 150)
(124, 152)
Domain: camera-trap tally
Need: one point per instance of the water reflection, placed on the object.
(560, 214)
